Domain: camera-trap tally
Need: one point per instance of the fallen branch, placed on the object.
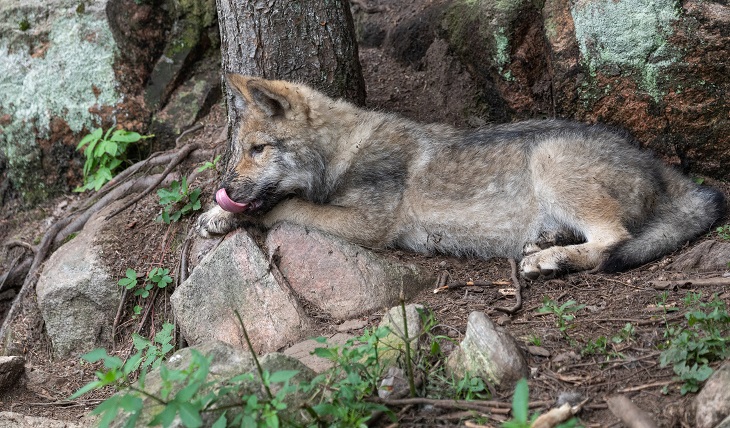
(698, 282)
(181, 155)
(518, 290)
(30, 279)
(629, 413)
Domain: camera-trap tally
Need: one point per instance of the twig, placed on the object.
(518, 290)
(181, 155)
(30, 279)
(679, 283)
(21, 244)
(479, 405)
(648, 385)
(456, 285)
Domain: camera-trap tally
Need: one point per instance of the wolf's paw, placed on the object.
(545, 263)
(214, 222)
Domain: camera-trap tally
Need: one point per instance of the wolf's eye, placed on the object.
(257, 150)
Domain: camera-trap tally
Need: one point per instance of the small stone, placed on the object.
(10, 370)
(489, 352)
(303, 351)
(538, 351)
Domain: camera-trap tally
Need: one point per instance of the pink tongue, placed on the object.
(227, 203)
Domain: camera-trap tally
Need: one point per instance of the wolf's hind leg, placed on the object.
(580, 257)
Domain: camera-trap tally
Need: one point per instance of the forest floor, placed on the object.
(610, 347)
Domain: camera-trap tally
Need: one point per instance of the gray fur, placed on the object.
(558, 195)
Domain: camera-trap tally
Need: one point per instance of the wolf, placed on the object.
(556, 195)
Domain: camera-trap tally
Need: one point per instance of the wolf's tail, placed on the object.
(689, 211)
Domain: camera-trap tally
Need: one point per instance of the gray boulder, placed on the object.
(489, 352)
(712, 403)
(77, 296)
(235, 276)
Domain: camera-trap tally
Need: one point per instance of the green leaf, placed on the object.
(86, 388)
(125, 136)
(89, 137)
(221, 422)
(190, 416)
(520, 400)
(282, 376)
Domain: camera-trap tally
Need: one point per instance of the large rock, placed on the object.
(651, 66)
(19, 420)
(57, 73)
(236, 276)
(338, 277)
(69, 66)
(77, 296)
(10, 370)
(712, 403)
(489, 352)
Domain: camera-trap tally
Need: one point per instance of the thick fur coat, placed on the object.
(559, 196)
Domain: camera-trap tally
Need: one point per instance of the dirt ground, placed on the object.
(437, 88)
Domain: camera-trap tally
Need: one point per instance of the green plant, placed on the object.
(172, 197)
(520, 409)
(625, 334)
(156, 277)
(564, 313)
(724, 232)
(24, 25)
(209, 165)
(535, 340)
(105, 152)
(354, 377)
(705, 339)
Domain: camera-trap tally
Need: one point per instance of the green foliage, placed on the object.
(156, 277)
(354, 377)
(105, 152)
(209, 165)
(535, 340)
(705, 339)
(24, 25)
(564, 313)
(520, 400)
(600, 345)
(724, 232)
(174, 196)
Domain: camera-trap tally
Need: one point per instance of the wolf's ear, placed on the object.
(259, 94)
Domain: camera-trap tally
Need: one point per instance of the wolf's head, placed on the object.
(274, 152)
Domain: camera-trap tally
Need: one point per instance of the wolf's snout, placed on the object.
(228, 204)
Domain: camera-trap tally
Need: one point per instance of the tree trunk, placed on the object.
(311, 42)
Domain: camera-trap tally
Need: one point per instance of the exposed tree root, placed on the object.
(114, 190)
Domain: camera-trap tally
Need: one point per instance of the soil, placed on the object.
(434, 88)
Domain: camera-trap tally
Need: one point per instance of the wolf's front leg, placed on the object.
(366, 227)
(215, 221)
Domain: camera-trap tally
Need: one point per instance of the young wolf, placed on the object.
(558, 195)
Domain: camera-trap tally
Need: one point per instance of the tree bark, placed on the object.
(307, 41)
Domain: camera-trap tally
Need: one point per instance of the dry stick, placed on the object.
(116, 194)
(181, 155)
(518, 291)
(479, 405)
(699, 282)
(629, 413)
(30, 279)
